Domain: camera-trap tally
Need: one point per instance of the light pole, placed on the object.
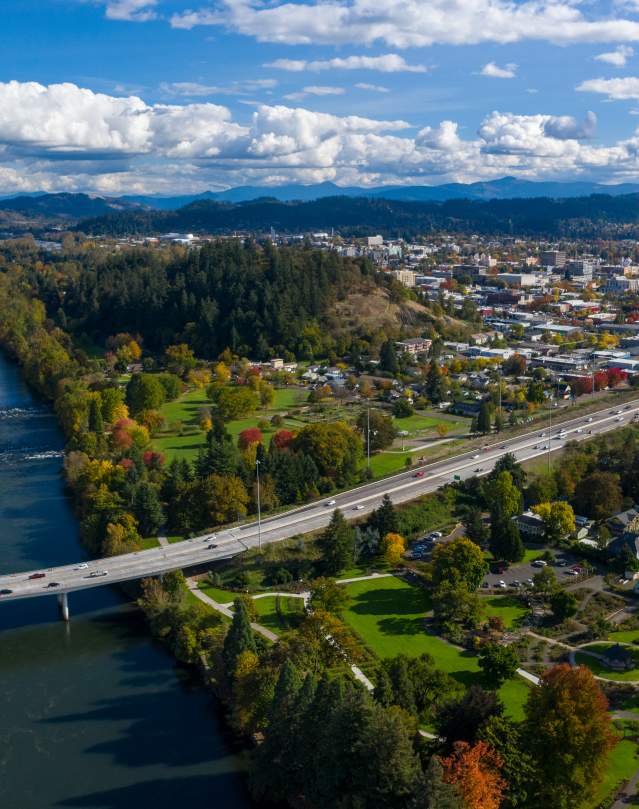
(368, 438)
(259, 510)
(549, 429)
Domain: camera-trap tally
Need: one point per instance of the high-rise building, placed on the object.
(552, 258)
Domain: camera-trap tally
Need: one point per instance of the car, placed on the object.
(589, 420)
(539, 563)
(561, 563)
(530, 582)
(628, 407)
(95, 574)
(479, 469)
(619, 418)
(435, 534)
(419, 474)
(485, 585)
(358, 507)
(53, 584)
(37, 575)
(571, 572)
(81, 566)
(502, 446)
(580, 429)
(331, 503)
(614, 412)
(589, 432)
(476, 456)
(545, 446)
(211, 546)
(502, 584)
(542, 435)
(515, 583)
(417, 554)
(5, 591)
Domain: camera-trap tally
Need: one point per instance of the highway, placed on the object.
(355, 503)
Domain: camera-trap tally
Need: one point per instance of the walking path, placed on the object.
(224, 609)
(164, 542)
(365, 578)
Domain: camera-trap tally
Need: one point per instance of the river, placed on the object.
(93, 714)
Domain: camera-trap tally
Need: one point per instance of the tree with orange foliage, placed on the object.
(475, 770)
(569, 735)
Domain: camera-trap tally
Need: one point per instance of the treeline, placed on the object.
(257, 301)
(591, 216)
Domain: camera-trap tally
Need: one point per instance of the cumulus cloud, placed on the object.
(374, 88)
(509, 71)
(131, 10)
(621, 89)
(387, 63)
(618, 57)
(414, 23)
(66, 137)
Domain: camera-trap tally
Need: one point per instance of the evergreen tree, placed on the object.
(388, 358)
(475, 526)
(147, 508)
(96, 422)
(434, 386)
(505, 540)
(439, 794)
(337, 544)
(484, 419)
(384, 519)
(239, 638)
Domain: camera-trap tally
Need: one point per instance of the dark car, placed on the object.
(53, 584)
(37, 575)
(211, 546)
(5, 592)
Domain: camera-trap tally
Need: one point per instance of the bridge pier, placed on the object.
(63, 605)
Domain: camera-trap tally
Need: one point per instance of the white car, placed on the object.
(539, 563)
(435, 534)
(331, 503)
(475, 457)
(81, 566)
(619, 418)
(358, 507)
(502, 585)
(98, 573)
(580, 429)
(589, 420)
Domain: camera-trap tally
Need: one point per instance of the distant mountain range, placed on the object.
(75, 207)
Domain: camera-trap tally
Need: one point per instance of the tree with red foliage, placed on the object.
(252, 435)
(569, 735)
(283, 438)
(615, 377)
(476, 771)
(154, 460)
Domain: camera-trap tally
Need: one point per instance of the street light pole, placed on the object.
(549, 430)
(259, 510)
(368, 438)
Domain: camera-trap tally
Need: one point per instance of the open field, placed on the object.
(622, 764)
(601, 670)
(509, 609)
(278, 613)
(388, 615)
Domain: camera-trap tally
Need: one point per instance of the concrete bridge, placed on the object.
(355, 503)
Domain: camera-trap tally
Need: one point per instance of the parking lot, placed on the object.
(524, 572)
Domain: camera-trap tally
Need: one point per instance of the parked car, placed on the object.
(539, 563)
(502, 584)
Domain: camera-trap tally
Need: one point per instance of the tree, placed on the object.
(223, 498)
(384, 518)
(382, 429)
(476, 771)
(598, 495)
(438, 793)
(402, 408)
(563, 604)
(388, 358)
(484, 419)
(559, 520)
(393, 548)
(461, 719)
(442, 429)
(179, 358)
(434, 385)
(503, 495)
(147, 508)
(267, 395)
(328, 596)
(234, 403)
(337, 544)
(239, 638)
(499, 663)
(569, 735)
(545, 581)
(144, 392)
(474, 525)
(335, 449)
(508, 740)
(515, 365)
(252, 435)
(96, 423)
(505, 540)
(460, 560)
(535, 392)
(508, 463)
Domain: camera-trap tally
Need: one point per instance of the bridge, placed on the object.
(354, 503)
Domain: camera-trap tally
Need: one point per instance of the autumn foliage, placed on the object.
(393, 547)
(252, 435)
(476, 771)
(283, 438)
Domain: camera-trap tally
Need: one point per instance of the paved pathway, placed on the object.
(528, 676)
(224, 609)
(164, 542)
(365, 578)
(628, 794)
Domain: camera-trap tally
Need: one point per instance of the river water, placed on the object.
(93, 714)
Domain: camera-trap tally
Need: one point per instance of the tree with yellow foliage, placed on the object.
(393, 548)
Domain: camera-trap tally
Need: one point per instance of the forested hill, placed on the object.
(592, 216)
(255, 300)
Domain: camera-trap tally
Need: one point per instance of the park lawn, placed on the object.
(149, 542)
(291, 612)
(601, 670)
(419, 423)
(624, 636)
(508, 608)
(387, 614)
(385, 463)
(186, 408)
(621, 766)
(285, 398)
(179, 446)
(217, 593)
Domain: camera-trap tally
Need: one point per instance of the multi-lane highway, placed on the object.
(353, 503)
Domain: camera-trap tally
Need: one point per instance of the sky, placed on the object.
(170, 97)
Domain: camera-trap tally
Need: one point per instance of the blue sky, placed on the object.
(119, 96)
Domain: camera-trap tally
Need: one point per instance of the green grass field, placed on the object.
(388, 615)
(217, 594)
(622, 764)
(625, 636)
(601, 670)
(289, 616)
(508, 608)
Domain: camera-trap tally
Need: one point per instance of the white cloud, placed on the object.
(66, 137)
(618, 57)
(189, 89)
(413, 23)
(509, 71)
(387, 63)
(315, 90)
(620, 89)
(374, 88)
(132, 10)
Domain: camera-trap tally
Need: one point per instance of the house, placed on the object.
(625, 521)
(468, 409)
(531, 525)
(413, 345)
